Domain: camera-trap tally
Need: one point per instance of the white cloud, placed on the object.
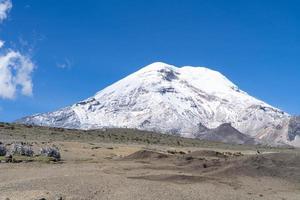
(15, 75)
(15, 68)
(5, 6)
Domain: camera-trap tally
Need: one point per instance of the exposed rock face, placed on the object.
(182, 101)
(294, 128)
(226, 133)
(64, 118)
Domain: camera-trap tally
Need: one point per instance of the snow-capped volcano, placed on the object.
(164, 98)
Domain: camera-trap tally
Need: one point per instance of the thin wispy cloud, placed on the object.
(1, 44)
(15, 68)
(66, 64)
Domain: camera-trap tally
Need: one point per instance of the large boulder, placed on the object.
(52, 152)
(21, 149)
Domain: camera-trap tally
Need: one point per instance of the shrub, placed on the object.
(52, 152)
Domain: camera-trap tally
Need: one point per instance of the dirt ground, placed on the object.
(152, 172)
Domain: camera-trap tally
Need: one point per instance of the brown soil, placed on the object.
(96, 169)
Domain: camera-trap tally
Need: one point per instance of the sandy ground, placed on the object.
(129, 172)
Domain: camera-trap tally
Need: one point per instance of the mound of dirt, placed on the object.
(280, 165)
(173, 178)
(145, 154)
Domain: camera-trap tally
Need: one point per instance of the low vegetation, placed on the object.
(19, 158)
(19, 132)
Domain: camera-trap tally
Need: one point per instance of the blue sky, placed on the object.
(79, 47)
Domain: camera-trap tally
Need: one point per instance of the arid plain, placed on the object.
(130, 164)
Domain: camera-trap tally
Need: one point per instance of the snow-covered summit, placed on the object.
(174, 100)
(201, 77)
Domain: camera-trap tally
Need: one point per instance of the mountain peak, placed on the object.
(156, 66)
(203, 78)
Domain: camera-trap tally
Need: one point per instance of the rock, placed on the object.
(21, 149)
(237, 154)
(3, 150)
(258, 152)
(59, 198)
(189, 158)
(52, 152)
(96, 147)
(171, 151)
(176, 152)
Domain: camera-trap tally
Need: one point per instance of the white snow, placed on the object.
(170, 99)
